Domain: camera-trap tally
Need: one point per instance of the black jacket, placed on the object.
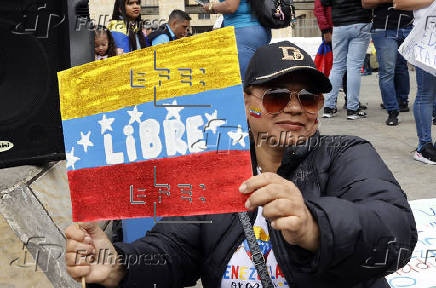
(362, 213)
(348, 12)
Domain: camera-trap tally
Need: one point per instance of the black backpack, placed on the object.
(273, 14)
(163, 29)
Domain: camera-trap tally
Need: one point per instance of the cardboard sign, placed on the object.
(160, 131)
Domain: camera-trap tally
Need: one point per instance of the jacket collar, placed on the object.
(292, 157)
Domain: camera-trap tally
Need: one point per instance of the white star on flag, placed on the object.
(84, 141)
(71, 159)
(106, 123)
(238, 136)
(213, 122)
(173, 111)
(135, 115)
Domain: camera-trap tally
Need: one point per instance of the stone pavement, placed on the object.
(394, 144)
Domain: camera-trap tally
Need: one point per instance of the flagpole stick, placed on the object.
(83, 278)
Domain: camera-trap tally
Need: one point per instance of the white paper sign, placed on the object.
(420, 272)
(419, 48)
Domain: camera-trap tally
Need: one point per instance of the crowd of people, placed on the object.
(355, 23)
(350, 26)
(331, 229)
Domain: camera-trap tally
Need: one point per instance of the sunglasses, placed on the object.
(276, 100)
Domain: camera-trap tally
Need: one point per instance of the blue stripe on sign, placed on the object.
(188, 127)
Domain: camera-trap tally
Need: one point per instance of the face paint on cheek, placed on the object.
(255, 112)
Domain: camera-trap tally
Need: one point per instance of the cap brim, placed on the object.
(321, 82)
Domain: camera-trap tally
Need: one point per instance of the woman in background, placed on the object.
(250, 34)
(126, 26)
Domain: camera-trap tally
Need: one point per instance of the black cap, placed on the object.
(274, 60)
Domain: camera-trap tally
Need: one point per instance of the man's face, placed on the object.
(180, 28)
(288, 126)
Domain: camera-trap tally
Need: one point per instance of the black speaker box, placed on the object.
(37, 39)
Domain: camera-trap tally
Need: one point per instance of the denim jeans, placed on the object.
(423, 108)
(248, 39)
(394, 78)
(349, 48)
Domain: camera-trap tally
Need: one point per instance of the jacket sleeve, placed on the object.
(367, 229)
(169, 255)
(321, 14)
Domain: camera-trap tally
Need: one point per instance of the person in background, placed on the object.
(323, 15)
(250, 34)
(104, 44)
(390, 28)
(126, 26)
(177, 27)
(350, 40)
(426, 94)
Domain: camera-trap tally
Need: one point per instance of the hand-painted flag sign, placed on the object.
(157, 132)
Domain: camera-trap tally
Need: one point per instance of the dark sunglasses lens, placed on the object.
(309, 101)
(275, 100)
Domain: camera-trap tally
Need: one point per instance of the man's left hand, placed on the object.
(284, 206)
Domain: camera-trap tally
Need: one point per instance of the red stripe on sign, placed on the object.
(197, 184)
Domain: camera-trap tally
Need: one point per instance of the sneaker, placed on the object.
(427, 154)
(329, 112)
(392, 118)
(404, 108)
(353, 115)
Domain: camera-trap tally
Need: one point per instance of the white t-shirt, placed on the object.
(241, 272)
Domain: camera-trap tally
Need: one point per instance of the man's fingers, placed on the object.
(80, 247)
(77, 272)
(271, 192)
(92, 228)
(259, 181)
(292, 224)
(76, 259)
(74, 232)
(282, 208)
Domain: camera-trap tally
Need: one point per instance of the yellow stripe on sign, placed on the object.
(104, 86)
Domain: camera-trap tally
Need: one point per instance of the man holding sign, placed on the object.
(326, 210)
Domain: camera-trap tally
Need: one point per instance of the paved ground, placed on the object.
(395, 145)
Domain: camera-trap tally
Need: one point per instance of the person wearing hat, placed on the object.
(325, 210)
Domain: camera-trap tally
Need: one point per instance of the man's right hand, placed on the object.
(328, 37)
(86, 245)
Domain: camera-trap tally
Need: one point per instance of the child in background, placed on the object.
(104, 44)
